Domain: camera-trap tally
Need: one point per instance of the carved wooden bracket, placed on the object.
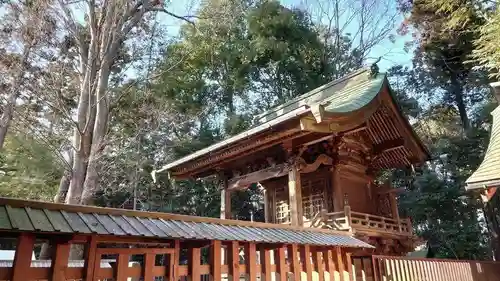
(303, 167)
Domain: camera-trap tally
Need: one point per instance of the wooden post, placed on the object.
(60, 261)
(293, 256)
(173, 262)
(394, 209)
(338, 200)
(233, 261)
(215, 261)
(349, 266)
(149, 264)
(265, 264)
(305, 257)
(295, 197)
(347, 211)
(318, 263)
(329, 263)
(194, 264)
(225, 204)
(22, 257)
(340, 263)
(90, 259)
(281, 268)
(251, 261)
(267, 214)
(121, 267)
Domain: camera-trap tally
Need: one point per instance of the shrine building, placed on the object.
(316, 159)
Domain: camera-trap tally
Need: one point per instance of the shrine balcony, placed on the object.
(348, 220)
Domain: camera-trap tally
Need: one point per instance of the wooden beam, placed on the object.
(215, 260)
(251, 261)
(22, 258)
(233, 261)
(308, 168)
(281, 266)
(309, 124)
(265, 264)
(60, 261)
(295, 197)
(244, 181)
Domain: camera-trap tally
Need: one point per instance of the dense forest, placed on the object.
(94, 95)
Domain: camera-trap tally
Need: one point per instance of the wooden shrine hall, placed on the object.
(316, 159)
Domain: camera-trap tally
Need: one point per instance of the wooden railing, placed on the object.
(348, 220)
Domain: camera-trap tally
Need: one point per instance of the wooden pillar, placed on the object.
(349, 266)
(394, 208)
(330, 264)
(295, 197)
(305, 257)
(90, 259)
(60, 262)
(295, 267)
(121, 267)
(318, 264)
(173, 262)
(22, 258)
(215, 260)
(338, 197)
(267, 213)
(194, 261)
(225, 204)
(281, 267)
(149, 264)
(265, 264)
(340, 264)
(251, 261)
(233, 261)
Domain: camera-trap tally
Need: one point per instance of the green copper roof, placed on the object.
(343, 95)
(488, 173)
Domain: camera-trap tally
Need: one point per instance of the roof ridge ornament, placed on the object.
(374, 69)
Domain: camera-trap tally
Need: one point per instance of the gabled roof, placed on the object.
(41, 217)
(343, 95)
(488, 173)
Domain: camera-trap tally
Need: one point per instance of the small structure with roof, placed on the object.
(486, 178)
(316, 158)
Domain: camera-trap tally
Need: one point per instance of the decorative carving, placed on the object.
(303, 167)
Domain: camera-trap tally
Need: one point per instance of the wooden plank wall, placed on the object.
(410, 269)
(184, 261)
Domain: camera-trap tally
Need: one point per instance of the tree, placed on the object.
(25, 28)
(442, 54)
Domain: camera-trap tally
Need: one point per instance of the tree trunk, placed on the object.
(82, 135)
(457, 94)
(8, 112)
(98, 136)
